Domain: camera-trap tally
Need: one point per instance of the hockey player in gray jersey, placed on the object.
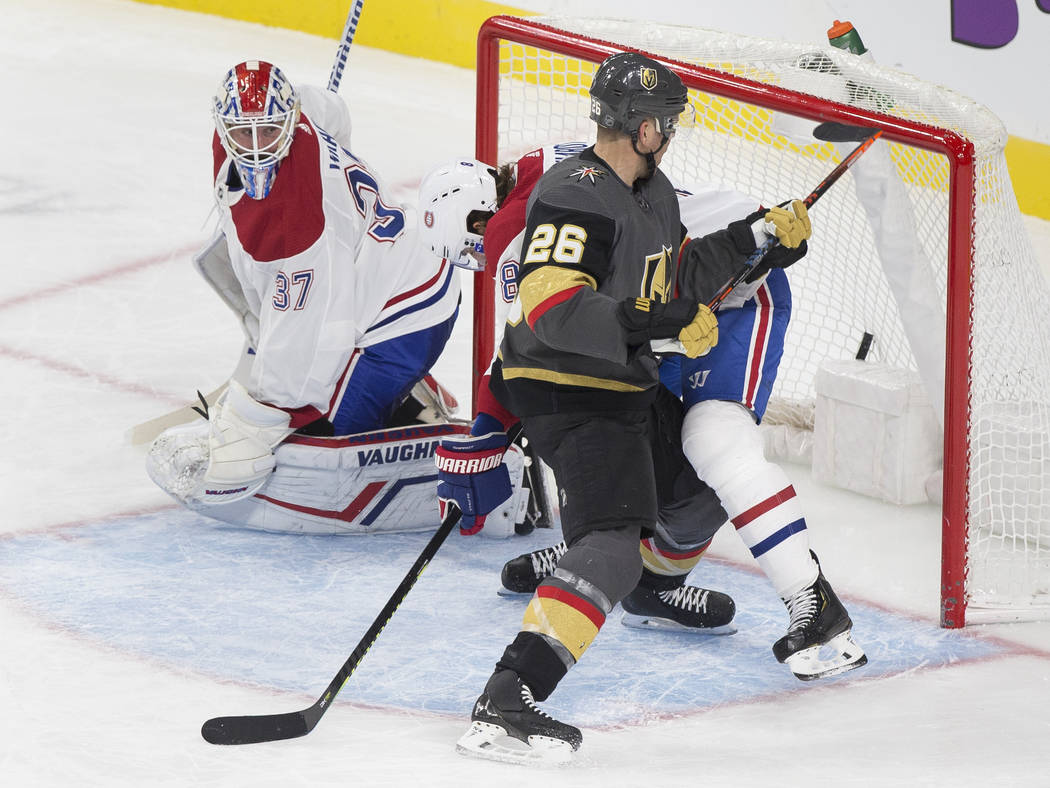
(599, 274)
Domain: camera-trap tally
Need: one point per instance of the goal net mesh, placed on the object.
(874, 270)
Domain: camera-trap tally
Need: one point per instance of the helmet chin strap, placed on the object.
(650, 158)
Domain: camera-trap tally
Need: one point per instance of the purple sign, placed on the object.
(987, 24)
(984, 23)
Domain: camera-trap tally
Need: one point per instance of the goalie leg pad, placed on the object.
(374, 482)
(505, 519)
(437, 405)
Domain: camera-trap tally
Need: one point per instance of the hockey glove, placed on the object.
(691, 323)
(794, 225)
(471, 472)
(645, 319)
(790, 226)
(701, 334)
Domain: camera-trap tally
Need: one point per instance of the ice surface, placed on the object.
(127, 622)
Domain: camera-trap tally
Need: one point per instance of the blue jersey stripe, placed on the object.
(421, 305)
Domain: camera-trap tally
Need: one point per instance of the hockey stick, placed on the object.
(147, 431)
(344, 46)
(674, 345)
(816, 194)
(274, 727)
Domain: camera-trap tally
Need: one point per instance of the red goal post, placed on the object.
(946, 153)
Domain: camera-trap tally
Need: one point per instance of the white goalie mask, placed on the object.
(452, 198)
(255, 110)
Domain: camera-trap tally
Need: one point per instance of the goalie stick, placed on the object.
(344, 46)
(147, 431)
(674, 345)
(253, 729)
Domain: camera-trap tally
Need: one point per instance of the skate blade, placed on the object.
(636, 621)
(841, 654)
(507, 593)
(491, 742)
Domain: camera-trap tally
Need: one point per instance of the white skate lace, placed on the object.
(802, 608)
(687, 598)
(545, 561)
(530, 702)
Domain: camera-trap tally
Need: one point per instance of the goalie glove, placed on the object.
(693, 324)
(243, 433)
(471, 472)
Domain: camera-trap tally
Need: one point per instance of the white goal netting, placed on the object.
(920, 245)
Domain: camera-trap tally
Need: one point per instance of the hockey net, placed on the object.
(946, 282)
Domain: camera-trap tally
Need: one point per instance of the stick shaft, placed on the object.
(344, 45)
(147, 431)
(252, 729)
(816, 194)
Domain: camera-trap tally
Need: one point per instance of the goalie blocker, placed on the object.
(373, 482)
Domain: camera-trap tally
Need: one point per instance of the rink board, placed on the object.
(283, 612)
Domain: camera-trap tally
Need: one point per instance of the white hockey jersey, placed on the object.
(326, 263)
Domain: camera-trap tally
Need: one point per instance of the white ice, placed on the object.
(104, 191)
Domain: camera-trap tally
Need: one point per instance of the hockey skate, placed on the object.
(523, 574)
(684, 609)
(818, 623)
(507, 726)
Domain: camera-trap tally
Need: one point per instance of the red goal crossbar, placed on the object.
(958, 151)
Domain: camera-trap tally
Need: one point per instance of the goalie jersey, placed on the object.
(326, 263)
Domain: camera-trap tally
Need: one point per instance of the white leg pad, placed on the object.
(375, 482)
(726, 449)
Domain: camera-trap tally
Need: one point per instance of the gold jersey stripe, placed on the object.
(567, 379)
(543, 283)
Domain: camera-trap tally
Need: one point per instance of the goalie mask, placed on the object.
(629, 87)
(452, 199)
(255, 110)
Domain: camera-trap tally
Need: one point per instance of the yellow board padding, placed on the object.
(441, 30)
(1028, 162)
(446, 31)
(1029, 166)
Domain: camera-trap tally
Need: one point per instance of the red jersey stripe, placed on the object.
(577, 603)
(549, 303)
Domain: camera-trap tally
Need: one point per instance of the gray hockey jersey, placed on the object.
(592, 241)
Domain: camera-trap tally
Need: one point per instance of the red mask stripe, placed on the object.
(252, 87)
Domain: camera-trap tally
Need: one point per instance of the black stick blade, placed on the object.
(255, 729)
(274, 727)
(842, 132)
